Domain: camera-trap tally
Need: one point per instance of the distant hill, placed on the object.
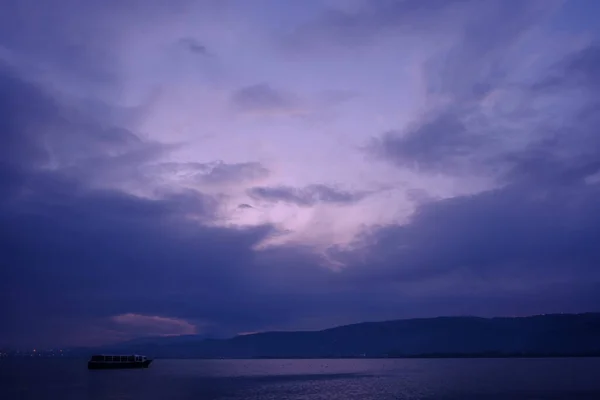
(543, 335)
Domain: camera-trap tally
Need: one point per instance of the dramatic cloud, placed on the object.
(578, 70)
(446, 162)
(567, 151)
(536, 235)
(538, 228)
(436, 144)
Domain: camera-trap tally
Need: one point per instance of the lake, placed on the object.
(361, 379)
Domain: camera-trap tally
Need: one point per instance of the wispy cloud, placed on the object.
(214, 173)
(307, 196)
(194, 46)
(264, 99)
(152, 325)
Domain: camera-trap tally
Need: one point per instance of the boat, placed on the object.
(102, 361)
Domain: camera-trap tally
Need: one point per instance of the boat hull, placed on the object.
(118, 365)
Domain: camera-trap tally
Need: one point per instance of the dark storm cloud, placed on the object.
(529, 250)
(430, 145)
(564, 149)
(88, 257)
(535, 234)
(83, 253)
(307, 196)
(74, 256)
(62, 241)
(570, 152)
(18, 100)
(457, 138)
(37, 130)
(526, 233)
(579, 70)
(40, 132)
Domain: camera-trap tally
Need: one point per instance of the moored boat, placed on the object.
(102, 361)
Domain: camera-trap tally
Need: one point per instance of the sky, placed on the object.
(217, 167)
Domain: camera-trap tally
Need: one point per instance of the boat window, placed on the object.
(123, 358)
(108, 358)
(130, 358)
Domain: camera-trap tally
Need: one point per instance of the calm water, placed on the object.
(513, 379)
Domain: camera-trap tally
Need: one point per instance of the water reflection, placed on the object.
(307, 379)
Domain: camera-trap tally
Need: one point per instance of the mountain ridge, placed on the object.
(536, 335)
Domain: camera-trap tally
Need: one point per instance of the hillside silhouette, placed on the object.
(551, 335)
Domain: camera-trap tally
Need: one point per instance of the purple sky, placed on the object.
(226, 166)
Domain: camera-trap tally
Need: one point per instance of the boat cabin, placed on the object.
(119, 359)
(103, 361)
